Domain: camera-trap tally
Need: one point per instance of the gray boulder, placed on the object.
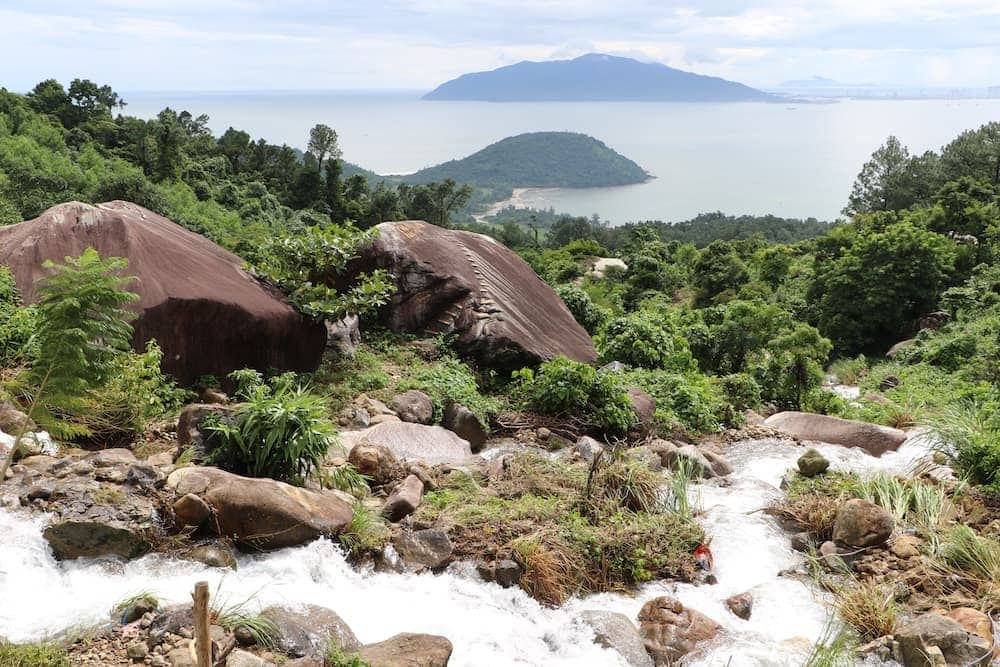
(404, 499)
(430, 548)
(616, 632)
(430, 444)
(413, 406)
(308, 630)
(958, 646)
(465, 424)
(873, 438)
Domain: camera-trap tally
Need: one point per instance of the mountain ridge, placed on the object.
(594, 77)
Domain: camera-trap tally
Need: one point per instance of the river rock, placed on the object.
(430, 548)
(263, 513)
(957, 645)
(408, 650)
(889, 382)
(899, 347)
(588, 448)
(218, 554)
(644, 407)
(812, 463)
(240, 658)
(473, 287)
(308, 630)
(672, 454)
(430, 444)
(343, 336)
(196, 299)
(413, 406)
(191, 510)
(616, 632)
(861, 523)
(645, 455)
(973, 621)
(465, 424)
(741, 605)
(507, 573)
(13, 421)
(376, 462)
(906, 546)
(873, 438)
(671, 631)
(404, 499)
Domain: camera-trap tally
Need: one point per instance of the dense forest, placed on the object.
(718, 320)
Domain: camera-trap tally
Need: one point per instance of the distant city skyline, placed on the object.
(418, 44)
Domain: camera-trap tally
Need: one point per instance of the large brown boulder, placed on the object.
(262, 513)
(208, 314)
(874, 439)
(931, 633)
(670, 630)
(469, 285)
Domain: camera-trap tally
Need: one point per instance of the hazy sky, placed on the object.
(293, 44)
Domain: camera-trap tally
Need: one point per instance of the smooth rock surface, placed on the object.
(430, 444)
(408, 650)
(873, 438)
(956, 644)
(618, 633)
(207, 313)
(671, 631)
(263, 513)
(413, 406)
(456, 282)
(307, 630)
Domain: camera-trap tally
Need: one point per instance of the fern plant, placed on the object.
(82, 327)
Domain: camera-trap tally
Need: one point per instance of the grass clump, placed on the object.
(147, 598)
(366, 533)
(570, 537)
(870, 608)
(969, 434)
(234, 615)
(835, 648)
(849, 371)
(109, 495)
(346, 478)
(45, 654)
(336, 657)
(978, 557)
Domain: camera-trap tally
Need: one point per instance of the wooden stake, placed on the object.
(202, 637)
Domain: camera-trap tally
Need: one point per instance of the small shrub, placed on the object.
(870, 608)
(691, 400)
(588, 314)
(451, 380)
(646, 341)
(978, 556)
(849, 371)
(740, 390)
(17, 323)
(45, 654)
(336, 657)
(574, 390)
(814, 513)
(627, 483)
(281, 432)
(969, 434)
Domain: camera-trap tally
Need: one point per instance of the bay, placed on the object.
(792, 160)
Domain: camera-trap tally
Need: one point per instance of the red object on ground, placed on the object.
(703, 555)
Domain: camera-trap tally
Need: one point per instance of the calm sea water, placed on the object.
(794, 160)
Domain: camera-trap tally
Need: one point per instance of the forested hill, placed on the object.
(539, 160)
(594, 77)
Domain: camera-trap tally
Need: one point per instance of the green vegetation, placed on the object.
(571, 534)
(366, 534)
(46, 654)
(336, 657)
(281, 430)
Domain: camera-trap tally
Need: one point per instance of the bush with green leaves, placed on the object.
(281, 430)
(576, 391)
(450, 380)
(306, 266)
(969, 434)
(690, 400)
(792, 366)
(588, 314)
(17, 323)
(646, 340)
(741, 390)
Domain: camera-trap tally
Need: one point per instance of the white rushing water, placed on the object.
(488, 625)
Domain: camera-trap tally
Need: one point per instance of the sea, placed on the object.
(792, 159)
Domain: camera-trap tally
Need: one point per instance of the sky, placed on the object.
(175, 45)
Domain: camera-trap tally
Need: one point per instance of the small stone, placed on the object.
(404, 499)
(158, 661)
(543, 434)
(588, 448)
(905, 546)
(812, 463)
(507, 573)
(741, 605)
(801, 542)
(137, 650)
(191, 510)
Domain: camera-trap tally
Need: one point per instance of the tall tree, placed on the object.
(323, 143)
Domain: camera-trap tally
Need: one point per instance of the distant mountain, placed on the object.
(594, 77)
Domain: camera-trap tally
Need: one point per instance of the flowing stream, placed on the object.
(488, 625)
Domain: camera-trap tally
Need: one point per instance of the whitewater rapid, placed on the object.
(488, 625)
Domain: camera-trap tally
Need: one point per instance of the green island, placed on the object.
(611, 372)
